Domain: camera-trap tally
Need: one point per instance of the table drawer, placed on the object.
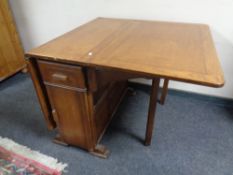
(61, 74)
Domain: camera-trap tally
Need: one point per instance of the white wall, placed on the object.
(39, 21)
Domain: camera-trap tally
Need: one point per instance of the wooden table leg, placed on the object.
(164, 91)
(152, 109)
(100, 151)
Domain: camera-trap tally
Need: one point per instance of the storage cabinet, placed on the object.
(107, 104)
(81, 115)
(11, 52)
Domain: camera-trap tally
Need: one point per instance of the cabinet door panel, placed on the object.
(71, 114)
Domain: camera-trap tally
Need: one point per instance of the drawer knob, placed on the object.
(60, 77)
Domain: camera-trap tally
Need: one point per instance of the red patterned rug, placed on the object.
(16, 159)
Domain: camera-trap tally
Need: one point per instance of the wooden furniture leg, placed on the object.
(59, 141)
(24, 70)
(152, 109)
(164, 91)
(100, 151)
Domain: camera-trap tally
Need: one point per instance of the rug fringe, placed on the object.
(51, 162)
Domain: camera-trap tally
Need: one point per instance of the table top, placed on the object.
(178, 51)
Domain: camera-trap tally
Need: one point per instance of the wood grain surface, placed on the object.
(11, 51)
(178, 51)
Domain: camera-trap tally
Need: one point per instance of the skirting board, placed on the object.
(212, 99)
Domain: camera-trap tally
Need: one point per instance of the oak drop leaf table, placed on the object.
(81, 76)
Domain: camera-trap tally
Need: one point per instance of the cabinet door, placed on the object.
(71, 116)
(11, 52)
